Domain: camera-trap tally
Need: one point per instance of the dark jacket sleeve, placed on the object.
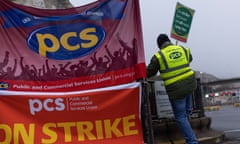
(153, 67)
(190, 60)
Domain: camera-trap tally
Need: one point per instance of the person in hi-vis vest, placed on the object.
(173, 63)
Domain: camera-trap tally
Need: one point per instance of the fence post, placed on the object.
(146, 115)
(198, 96)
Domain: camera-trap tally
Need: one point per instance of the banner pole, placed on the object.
(176, 42)
(146, 114)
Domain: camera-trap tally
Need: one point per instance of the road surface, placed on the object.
(227, 119)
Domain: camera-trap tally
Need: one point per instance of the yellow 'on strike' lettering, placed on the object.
(8, 134)
(67, 130)
(85, 128)
(112, 128)
(52, 134)
(127, 125)
(99, 129)
(19, 129)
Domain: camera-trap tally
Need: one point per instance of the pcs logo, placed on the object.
(46, 105)
(68, 41)
(175, 55)
(4, 86)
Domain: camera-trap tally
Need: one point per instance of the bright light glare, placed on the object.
(206, 96)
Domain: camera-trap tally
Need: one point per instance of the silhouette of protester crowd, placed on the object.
(124, 57)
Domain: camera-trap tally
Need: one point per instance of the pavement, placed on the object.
(167, 132)
(231, 142)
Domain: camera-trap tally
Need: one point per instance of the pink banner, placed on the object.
(87, 47)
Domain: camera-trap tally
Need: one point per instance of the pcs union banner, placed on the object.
(87, 47)
(101, 116)
(69, 75)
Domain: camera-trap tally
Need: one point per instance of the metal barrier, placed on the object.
(146, 115)
(150, 112)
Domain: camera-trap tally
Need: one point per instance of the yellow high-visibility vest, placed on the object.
(174, 63)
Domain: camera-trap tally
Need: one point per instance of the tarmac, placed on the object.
(167, 132)
(231, 141)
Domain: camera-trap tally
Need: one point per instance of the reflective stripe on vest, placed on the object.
(174, 63)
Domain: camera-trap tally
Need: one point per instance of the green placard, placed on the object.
(182, 22)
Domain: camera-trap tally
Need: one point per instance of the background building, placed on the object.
(45, 4)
